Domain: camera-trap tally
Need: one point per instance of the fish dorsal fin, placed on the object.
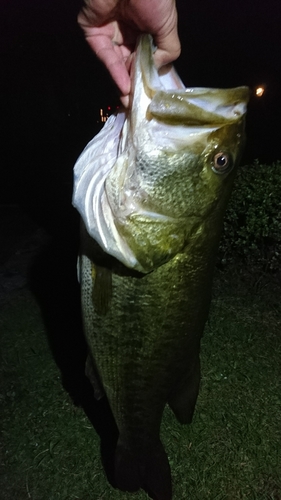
(102, 289)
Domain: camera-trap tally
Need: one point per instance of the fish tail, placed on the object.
(149, 470)
(127, 476)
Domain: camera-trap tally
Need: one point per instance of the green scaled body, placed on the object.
(152, 215)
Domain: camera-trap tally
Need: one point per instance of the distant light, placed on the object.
(259, 91)
(109, 108)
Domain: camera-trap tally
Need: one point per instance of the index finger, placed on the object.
(113, 57)
(168, 48)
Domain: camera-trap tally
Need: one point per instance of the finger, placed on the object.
(96, 12)
(113, 57)
(168, 49)
(125, 99)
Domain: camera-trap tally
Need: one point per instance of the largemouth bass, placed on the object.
(152, 189)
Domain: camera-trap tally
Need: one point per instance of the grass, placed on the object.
(232, 451)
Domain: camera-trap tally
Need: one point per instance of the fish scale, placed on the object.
(152, 189)
(157, 183)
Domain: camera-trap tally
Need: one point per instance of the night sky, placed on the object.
(52, 86)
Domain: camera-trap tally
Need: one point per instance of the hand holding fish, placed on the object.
(112, 27)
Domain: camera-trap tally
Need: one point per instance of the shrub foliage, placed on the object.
(252, 224)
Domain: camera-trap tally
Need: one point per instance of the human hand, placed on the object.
(112, 27)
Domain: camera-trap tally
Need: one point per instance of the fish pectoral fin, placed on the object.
(149, 470)
(102, 289)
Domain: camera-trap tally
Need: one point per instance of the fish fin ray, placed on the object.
(102, 289)
(183, 397)
(92, 374)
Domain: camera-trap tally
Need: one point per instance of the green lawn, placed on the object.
(232, 451)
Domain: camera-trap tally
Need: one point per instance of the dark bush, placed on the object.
(252, 224)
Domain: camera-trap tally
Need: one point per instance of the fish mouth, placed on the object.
(166, 99)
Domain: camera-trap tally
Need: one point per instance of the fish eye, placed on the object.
(221, 163)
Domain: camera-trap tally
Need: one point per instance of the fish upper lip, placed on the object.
(191, 112)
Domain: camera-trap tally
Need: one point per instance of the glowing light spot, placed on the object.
(259, 91)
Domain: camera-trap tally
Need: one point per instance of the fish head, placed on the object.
(191, 143)
(157, 178)
(176, 172)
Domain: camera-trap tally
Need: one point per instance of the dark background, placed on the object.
(52, 86)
